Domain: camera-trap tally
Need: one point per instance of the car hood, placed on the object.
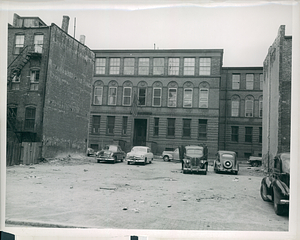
(136, 153)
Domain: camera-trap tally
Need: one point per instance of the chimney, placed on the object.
(82, 39)
(15, 20)
(65, 23)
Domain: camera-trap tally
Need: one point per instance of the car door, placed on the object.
(176, 154)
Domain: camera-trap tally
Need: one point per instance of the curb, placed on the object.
(39, 224)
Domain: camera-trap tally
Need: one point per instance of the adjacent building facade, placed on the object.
(48, 88)
(277, 98)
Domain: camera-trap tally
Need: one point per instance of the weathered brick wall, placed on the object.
(68, 95)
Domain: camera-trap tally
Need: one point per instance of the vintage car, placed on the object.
(276, 185)
(226, 162)
(194, 158)
(139, 154)
(110, 153)
(255, 161)
(90, 152)
(168, 155)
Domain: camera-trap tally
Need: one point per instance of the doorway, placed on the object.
(140, 132)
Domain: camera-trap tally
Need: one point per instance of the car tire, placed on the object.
(128, 162)
(166, 158)
(115, 160)
(122, 159)
(262, 193)
(278, 208)
(184, 171)
(227, 164)
(255, 164)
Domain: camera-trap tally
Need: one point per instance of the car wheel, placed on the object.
(128, 162)
(184, 171)
(115, 159)
(122, 159)
(166, 158)
(98, 161)
(255, 164)
(278, 208)
(263, 191)
(227, 164)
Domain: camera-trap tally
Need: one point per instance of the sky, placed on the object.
(244, 30)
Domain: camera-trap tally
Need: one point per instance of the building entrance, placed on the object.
(140, 132)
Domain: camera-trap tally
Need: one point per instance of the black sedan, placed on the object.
(111, 153)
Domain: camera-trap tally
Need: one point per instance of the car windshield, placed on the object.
(285, 157)
(111, 148)
(139, 149)
(194, 151)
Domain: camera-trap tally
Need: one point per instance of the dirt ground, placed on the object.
(78, 192)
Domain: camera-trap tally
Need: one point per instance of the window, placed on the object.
(96, 124)
(260, 135)
(98, 93)
(16, 77)
(189, 66)
(156, 127)
(114, 66)
(29, 118)
(249, 81)
(11, 117)
(100, 65)
(112, 96)
(203, 99)
(19, 44)
(186, 129)
(171, 127)
(248, 134)
(158, 66)
(128, 66)
(124, 125)
(204, 66)
(173, 66)
(236, 81)
(38, 43)
(187, 97)
(172, 97)
(249, 107)
(260, 107)
(34, 79)
(142, 97)
(261, 81)
(143, 66)
(235, 107)
(126, 96)
(202, 128)
(234, 133)
(157, 97)
(110, 125)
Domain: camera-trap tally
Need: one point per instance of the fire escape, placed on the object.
(23, 129)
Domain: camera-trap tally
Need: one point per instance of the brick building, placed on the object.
(48, 91)
(241, 100)
(159, 98)
(277, 97)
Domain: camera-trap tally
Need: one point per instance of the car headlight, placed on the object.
(187, 161)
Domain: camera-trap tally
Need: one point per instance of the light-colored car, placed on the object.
(90, 152)
(168, 155)
(110, 153)
(226, 161)
(139, 154)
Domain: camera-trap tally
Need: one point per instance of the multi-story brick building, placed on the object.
(159, 98)
(49, 86)
(241, 100)
(277, 97)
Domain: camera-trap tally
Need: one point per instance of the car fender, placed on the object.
(281, 187)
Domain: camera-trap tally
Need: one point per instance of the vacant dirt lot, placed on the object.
(77, 191)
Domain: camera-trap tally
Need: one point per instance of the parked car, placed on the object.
(226, 161)
(255, 161)
(90, 152)
(168, 155)
(110, 153)
(139, 154)
(194, 158)
(276, 186)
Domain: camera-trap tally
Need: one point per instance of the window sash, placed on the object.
(186, 129)
(126, 96)
(156, 127)
(173, 68)
(172, 97)
(124, 125)
(114, 66)
(129, 66)
(157, 97)
(188, 97)
(19, 44)
(112, 96)
(158, 66)
(38, 43)
(235, 107)
(202, 128)
(98, 93)
(143, 66)
(29, 118)
(96, 124)
(249, 81)
(189, 66)
(234, 134)
(110, 124)
(171, 127)
(261, 81)
(203, 98)
(236, 81)
(142, 97)
(204, 66)
(100, 64)
(248, 134)
(249, 108)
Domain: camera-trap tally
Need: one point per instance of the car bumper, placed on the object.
(194, 169)
(284, 202)
(105, 159)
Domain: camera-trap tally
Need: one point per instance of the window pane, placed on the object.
(19, 44)
(203, 102)
(156, 96)
(204, 66)
(186, 131)
(158, 66)
(249, 108)
(114, 67)
(234, 134)
(142, 97)
(98, 91)
(112, 97)
(143, 66)
(235, 106)
(171, 127)
(128, 66)
(127, 96)
(261, 81)
(156, 127)
(248, 134)
(236, 81)
(100, 65)
(189, 66)
(187, 98)
(202, 128)
(110, 124)
(173, 66)
(249, 81)
(96, 124)
(124, 125)
(172, 97)
(38, 43)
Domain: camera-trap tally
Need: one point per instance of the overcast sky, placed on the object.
(243, 31)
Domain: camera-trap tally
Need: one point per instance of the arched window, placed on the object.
(112, 93)
(172, 94)
(249, 106)
(260, 107)
(127, 92)
(98, 93)
(203, 94)
(235, 106)
(157, 93)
